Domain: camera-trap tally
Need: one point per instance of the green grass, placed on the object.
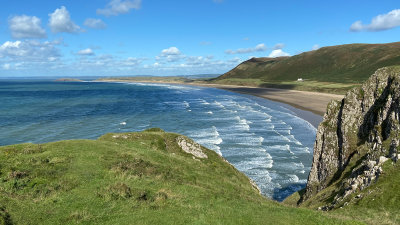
(132, 178)
(332, 69)
(379, 203)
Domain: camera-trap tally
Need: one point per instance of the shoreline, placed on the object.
(310, 106)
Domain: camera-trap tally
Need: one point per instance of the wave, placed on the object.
(271, 144)
(219, 104)
(186, 104)
(210, 138)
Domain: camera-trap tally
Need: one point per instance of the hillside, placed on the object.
(333, 69)
(355, 170)
(150, 177)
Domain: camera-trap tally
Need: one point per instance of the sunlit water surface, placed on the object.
(263, 139)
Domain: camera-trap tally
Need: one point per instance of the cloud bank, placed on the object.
(85, 52)
(379, 23)
(258, 48)
(30, 51)
(26, 27)
(94, 23)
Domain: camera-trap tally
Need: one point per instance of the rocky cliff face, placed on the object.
(361, 130)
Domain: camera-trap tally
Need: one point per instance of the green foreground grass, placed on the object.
(132, 178)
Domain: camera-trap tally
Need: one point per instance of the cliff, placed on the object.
(357, 137)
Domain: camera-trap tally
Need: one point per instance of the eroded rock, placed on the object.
(191, 147)
(360, 125)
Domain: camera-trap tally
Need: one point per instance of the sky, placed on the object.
(178, 37)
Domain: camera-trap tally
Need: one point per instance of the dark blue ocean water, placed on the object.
(265, 140)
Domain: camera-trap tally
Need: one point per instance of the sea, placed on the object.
(265, 140)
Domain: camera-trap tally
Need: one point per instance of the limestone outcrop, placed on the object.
(363, 126)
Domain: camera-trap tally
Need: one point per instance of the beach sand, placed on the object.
(310, 101)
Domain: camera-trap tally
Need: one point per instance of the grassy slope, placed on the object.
(144, 178)
(329, 69)
(378, 203)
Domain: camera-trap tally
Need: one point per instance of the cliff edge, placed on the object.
(357, 136)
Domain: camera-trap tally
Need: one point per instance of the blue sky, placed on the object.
(148, 37)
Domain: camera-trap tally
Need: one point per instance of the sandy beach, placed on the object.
(310, 101)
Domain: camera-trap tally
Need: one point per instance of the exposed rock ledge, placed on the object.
(364, 125)
(190, 147)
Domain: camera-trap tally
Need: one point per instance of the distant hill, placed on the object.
(345, 64)
(68, 80)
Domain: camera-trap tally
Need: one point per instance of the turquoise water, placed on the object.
(261, 138)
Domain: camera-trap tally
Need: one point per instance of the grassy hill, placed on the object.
(132, 178)
(330, 69)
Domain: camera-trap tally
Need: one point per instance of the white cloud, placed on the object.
(194, 65)
(258, 48)
(29, 51)
(117, 7)
(26, 27)
(86, 52)
(131, 61)
(95, 23)
(60, 21)
(278, 53)
(199, 60)
(315, 47)
(171, 54)
(104, 64)
(357, 26)
(171, 51)
(7, 66)
(379, 23)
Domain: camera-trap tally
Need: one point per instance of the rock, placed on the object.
(190, 147)
(371, 164)
(381, 160)
(360, 125)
